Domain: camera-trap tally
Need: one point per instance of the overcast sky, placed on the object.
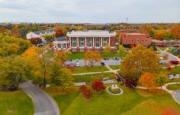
(90, 11)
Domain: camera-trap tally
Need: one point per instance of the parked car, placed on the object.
(174, 62)
(70, 65)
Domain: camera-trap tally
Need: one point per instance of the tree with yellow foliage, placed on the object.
(138, 61)
(91, 57)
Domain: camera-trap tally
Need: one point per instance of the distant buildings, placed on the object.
(166, 43)
(39, 34)
(98, 40)
(133, 39)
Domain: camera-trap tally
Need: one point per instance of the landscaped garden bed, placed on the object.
(114, 90)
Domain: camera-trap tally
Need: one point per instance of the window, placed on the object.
(81, 42)
(97, 42)
(59, 45)
(105, 42)
(89, 42)
(73, 42)
(63, 45)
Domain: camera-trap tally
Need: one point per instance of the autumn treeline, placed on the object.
(157, 31)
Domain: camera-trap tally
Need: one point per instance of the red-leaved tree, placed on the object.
(98, 85)
(85, 91)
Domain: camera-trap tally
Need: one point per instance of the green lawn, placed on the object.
(80, 55)
(132, 102)
(15, 103)
(76, 55)
(89, 69)
(176, 70)
(174, 87)
(115, 66)
(89, 78)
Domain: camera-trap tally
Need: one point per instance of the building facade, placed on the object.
(89, 40)
(134, 39)
(39, 34)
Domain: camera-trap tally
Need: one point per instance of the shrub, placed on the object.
(131, 83)
(98, 85)
(147, 80)
(86, 92)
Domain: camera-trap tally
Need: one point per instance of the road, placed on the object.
(43, 103)
(170, 56)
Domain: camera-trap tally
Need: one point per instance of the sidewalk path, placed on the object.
(93, 73)
(174, 93)
(43, 103)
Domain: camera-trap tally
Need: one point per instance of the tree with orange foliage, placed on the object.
(159, 34)
(147, 80)
(175, 30)
(62, 56)
(91, 57)
(59, 31)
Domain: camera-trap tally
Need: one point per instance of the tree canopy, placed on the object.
(138, 61)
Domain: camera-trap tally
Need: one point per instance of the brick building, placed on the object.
(133, 39)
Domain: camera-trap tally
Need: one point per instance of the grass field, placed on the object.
(132, 102)
(89, 69)
(174, 87)
(115, 66)
(15, 103)
(89, 78)
(80, 55)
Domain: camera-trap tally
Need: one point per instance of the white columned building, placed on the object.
(91, 39)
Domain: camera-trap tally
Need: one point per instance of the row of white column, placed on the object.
(85, 42)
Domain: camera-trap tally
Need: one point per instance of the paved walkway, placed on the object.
(174, 93)
(43, 103)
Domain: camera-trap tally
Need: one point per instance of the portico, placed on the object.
(93, 39)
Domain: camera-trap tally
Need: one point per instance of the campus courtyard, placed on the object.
(129, 103)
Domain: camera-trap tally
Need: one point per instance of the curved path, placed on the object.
(174, 93)
(43, 103)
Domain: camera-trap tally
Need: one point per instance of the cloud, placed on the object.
(97, 11)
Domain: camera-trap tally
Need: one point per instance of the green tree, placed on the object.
(13, 72)
(61, 76)
(107, 52)
(122, 51)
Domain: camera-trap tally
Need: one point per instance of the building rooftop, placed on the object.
(60, 38)
(134, 34)
(44, 31)
(91, 33)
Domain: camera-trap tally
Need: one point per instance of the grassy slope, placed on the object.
(130, 103)
(15, 103)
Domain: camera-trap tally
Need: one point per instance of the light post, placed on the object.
(44, 66)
